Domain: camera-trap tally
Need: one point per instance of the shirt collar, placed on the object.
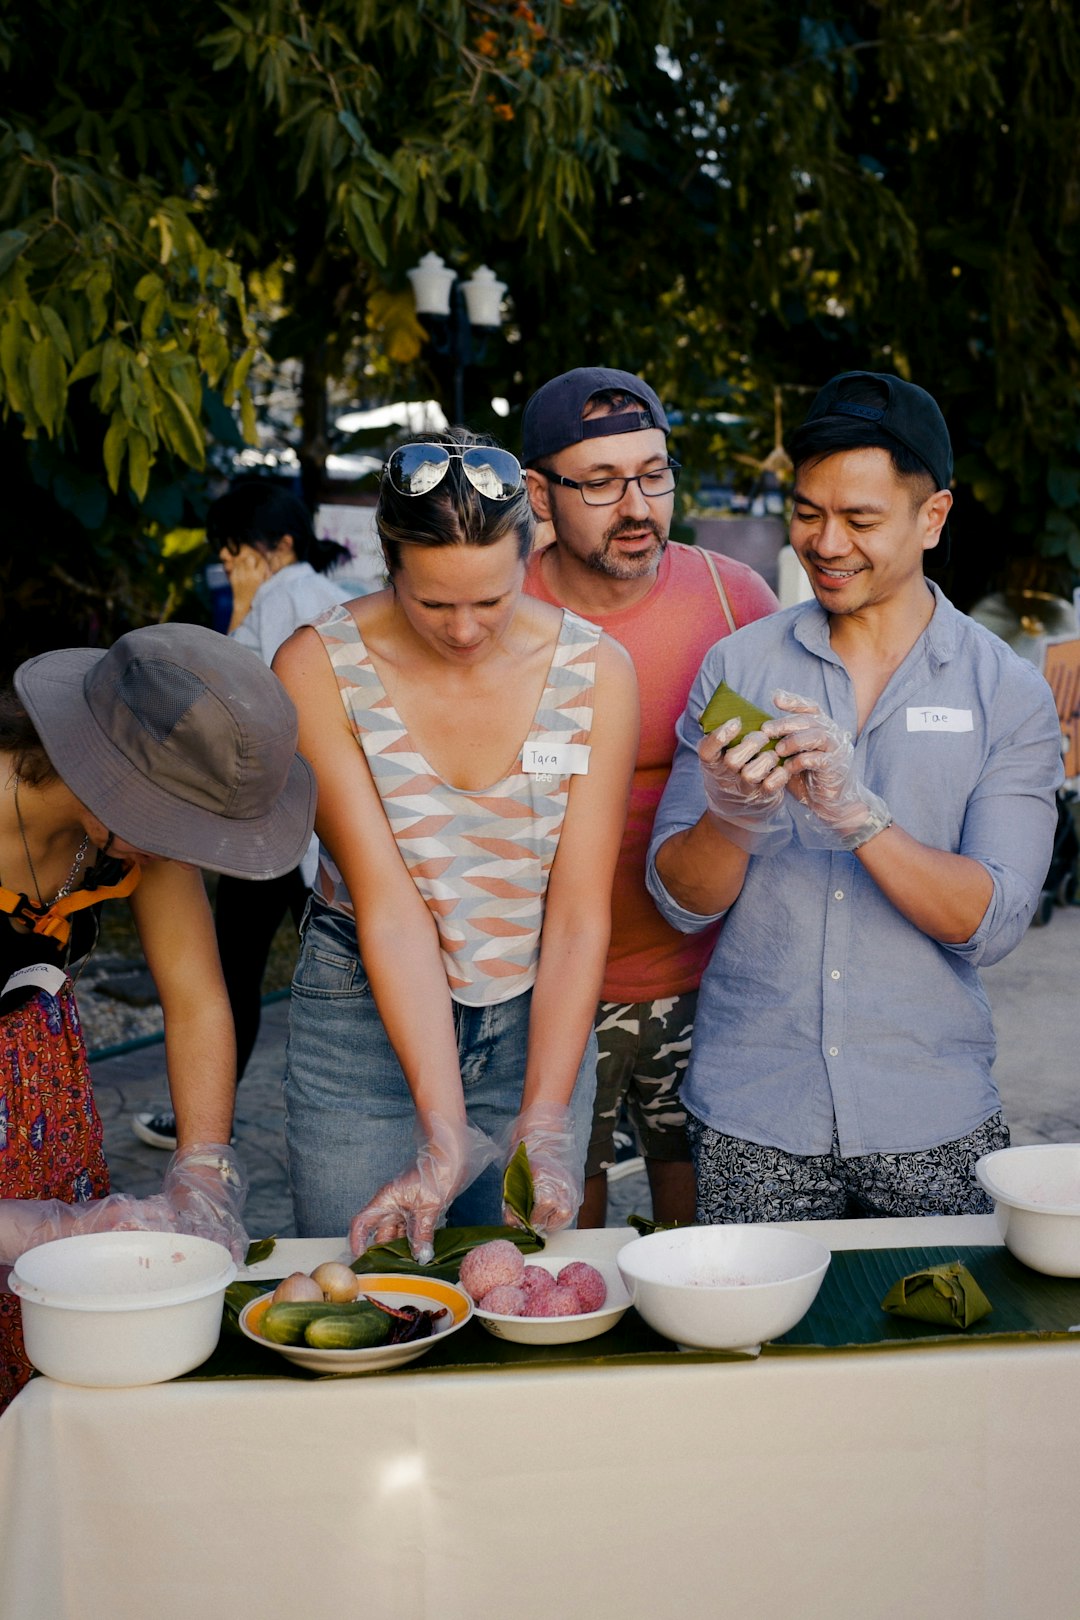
(811, 629)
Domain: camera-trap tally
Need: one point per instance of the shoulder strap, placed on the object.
(52, 920)
(714, 569)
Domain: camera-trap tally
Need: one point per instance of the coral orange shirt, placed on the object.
(667, 634)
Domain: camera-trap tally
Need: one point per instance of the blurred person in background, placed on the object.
(278, 577)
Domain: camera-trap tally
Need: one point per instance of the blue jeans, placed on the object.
(350, 1123)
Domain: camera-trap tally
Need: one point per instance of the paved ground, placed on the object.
(1033, 994)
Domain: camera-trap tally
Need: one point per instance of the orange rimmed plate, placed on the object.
(392, 1288)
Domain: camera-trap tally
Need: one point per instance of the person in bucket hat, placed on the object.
(123, 771)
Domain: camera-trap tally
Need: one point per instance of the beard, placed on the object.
(605, 560)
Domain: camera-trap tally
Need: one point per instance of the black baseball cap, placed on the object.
(907, 414)
(553, 417)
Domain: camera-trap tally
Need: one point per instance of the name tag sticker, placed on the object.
(555, 759)
(39, 976)
(939, 720)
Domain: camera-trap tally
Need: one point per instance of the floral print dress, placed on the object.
(50, 1132)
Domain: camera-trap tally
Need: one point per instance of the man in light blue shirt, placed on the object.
(888, 832)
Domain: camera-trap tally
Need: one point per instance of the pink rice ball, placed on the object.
(537, 1280)
(491, 1265)
(539, 1285)
(561, 1302)
(505, 1300)
(587, 1283)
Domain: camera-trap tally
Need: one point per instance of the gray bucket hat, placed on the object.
(182, 742)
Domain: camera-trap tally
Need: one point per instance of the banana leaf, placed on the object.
(947, 1295)
(452, 1243)
(727, 705)
(237, 1295)
(643, 1226)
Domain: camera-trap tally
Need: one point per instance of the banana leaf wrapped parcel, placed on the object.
(944, 1296)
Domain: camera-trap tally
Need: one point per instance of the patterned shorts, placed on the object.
(741, 1181)
(644, 1050)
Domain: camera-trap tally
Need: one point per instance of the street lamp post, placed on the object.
(461, 315)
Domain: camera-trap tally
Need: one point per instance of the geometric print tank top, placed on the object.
(482, 859)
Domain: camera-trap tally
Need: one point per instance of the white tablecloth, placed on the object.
(879, 1484)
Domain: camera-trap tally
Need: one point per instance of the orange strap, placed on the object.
(53, 920)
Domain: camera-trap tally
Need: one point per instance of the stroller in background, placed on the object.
(1061, 666)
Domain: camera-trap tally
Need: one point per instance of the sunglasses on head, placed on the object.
(415, 469)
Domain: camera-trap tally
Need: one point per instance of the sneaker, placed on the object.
(627, 1159)
(157, 1128)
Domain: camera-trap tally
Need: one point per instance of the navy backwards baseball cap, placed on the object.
(907, 414)
(554, 416)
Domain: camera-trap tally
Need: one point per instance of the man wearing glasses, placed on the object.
(594, 444)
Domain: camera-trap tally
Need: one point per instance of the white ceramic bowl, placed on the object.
(724, 1287)
(561, 1329)
(114, 1308)
(1036, 1193)
(392, 1288)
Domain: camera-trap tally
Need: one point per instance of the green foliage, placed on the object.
(201, 177)
(891, 187)
(207, 191)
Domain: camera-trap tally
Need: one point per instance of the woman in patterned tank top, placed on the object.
(473, 748)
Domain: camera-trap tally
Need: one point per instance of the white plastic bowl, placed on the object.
(723, 1287)
(115, 1308)
(1036, 1193)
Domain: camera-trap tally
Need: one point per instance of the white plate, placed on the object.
(392, 1288)
(561, 1329)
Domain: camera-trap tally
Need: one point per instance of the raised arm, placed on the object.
(983, 893)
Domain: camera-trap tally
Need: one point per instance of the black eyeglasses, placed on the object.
(610, 491)
(414, 469)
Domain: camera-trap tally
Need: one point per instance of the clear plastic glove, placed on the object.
(203, 1195)
(416, 1201)
(26, 1222)
(556, 1160)
(206, 1188)
(745, 789)
(836, 810)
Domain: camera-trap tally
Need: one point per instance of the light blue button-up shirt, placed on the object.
(820, 1000)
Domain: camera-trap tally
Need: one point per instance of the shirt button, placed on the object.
(834, 1051)
(835, 974)
(839, 895)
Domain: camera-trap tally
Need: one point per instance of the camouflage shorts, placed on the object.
(644, 1050)
(739, 1181)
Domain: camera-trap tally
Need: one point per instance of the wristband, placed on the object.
(876, 822)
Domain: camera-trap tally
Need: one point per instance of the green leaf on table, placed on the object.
(643, 1226)
(237, 1295)
(947, 1295)
(261, 1249)
(451, 1244)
